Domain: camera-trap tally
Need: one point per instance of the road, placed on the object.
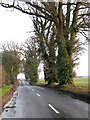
(38, 102)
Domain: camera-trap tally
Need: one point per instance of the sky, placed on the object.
(15, 26)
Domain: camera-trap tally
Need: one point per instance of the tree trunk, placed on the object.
(62, 60)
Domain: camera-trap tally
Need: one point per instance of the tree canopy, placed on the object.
(31, 60)
(10, 61)
(69, 19)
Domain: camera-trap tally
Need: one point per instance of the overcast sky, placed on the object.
(14, 26)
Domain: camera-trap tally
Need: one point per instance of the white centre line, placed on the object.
(38, 95)
(32, 90)
(53, 108)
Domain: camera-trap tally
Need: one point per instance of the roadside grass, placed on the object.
(75, 89)
(5, 89)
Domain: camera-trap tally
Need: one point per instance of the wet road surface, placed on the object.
(38, 102)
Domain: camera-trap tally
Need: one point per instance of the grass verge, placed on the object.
(81, 93)
(5, 89)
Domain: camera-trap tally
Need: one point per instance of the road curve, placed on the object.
(38, 102)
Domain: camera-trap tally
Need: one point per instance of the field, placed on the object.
(82, 82)
(5, 89)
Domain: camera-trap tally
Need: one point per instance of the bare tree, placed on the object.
(69, 18)
(31, 60)
(10, 61)
(46, 39)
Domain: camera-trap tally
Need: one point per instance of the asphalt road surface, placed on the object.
(38, 102)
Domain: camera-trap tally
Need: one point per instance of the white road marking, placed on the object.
(32, 90)
(53, 108)
(38, 95)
